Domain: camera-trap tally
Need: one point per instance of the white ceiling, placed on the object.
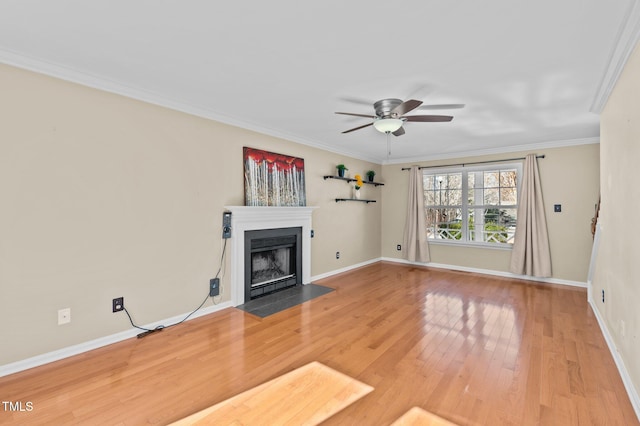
(528, 72)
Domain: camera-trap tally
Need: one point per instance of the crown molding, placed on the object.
(626, 40)
(118, 88)
(500, 150)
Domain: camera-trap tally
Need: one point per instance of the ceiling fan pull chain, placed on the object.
(388, 145)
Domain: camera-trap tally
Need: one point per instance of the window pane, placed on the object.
(491, 196)
(491, 179)
(452, 198)
(492, 225)
(444, 224)
(443, 189)
(508, 178)
(429, 198)
(508, 196)
(429, 182)
(454, 181)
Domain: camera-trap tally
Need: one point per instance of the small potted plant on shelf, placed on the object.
(341, 168)
(370, 174)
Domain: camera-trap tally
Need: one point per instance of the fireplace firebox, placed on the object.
(272, 260)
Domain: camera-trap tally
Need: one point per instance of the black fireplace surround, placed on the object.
(272, 260)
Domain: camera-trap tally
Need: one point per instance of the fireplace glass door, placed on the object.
(272, 260)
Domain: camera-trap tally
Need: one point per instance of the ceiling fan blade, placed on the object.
(428, 118)
(442, 106)
(398, 132)
(405, 107)
(358, 128)
(358, 115)
(356, 100)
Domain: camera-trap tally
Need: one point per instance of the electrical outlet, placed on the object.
(214, 287)
(337, 255)
(64, 316)
(118, 304)
(399, 247)
(603, 295)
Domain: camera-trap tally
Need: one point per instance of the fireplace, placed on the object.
(249, 218)
(272, 260)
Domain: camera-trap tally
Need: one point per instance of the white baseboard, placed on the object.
(346, 269)
(622, 369)
(489, 272)
(453, 268)
(69, 351)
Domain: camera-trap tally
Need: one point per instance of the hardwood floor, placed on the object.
(472, 349)
(320, 392)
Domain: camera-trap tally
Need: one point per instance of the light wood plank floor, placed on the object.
(472, 349)
(416, 416)
(319, 392)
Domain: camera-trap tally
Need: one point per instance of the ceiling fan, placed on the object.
(390, 116)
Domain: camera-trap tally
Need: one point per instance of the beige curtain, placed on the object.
(531, 254)
(415, 228)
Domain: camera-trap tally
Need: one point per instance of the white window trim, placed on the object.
(465, 170)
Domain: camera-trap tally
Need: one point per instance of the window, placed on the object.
(472, 205)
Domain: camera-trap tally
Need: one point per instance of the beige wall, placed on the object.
(569, 176)
(103, 196)
(619, 248)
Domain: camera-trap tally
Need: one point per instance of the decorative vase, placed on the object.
(356, 194)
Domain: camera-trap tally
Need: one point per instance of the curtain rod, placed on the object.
(475, 162)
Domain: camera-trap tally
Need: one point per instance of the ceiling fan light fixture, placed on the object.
(387, 125)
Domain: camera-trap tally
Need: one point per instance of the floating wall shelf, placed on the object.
(353, 180)
(355, 199)
(346, 179)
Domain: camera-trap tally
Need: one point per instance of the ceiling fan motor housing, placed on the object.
(384, 107)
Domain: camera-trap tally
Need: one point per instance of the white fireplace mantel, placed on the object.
(247, 218)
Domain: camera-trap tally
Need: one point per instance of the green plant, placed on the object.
(453, 230)
(495, 232)
(370, 174)
(341, 167)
